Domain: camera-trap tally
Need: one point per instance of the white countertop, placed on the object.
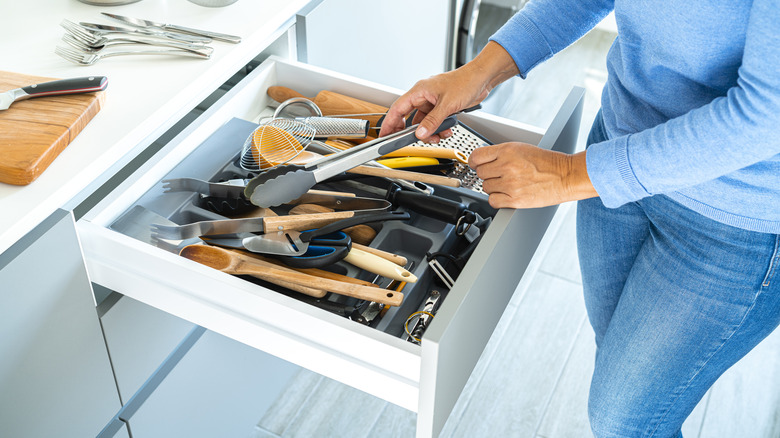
(145, 95)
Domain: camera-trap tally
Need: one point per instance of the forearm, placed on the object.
(492, 66)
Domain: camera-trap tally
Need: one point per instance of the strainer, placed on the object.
(275, 142)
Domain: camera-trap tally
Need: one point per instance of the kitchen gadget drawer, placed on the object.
(425, 378)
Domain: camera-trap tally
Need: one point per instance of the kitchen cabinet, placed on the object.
(54, 368)
(219, 388)
(139, 339)
(177, 379)
(425, 378)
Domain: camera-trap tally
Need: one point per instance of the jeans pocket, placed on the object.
(773, 262)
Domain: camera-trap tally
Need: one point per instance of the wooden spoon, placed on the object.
(214, 259)
(236, 263)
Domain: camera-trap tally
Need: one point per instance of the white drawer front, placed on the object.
(426, 378)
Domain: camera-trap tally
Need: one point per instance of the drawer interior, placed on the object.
(422, 237)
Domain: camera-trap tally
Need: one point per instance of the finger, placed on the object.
(483, 155)
(432, 121)
(492, 185)
(500, 200)
(392, 122)
(394, 118)
(420, 115)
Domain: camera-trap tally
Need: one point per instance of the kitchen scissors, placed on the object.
(323, 251)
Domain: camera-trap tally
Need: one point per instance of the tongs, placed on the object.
(234, 188)
(284, 183)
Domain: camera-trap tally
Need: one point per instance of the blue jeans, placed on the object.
(675, 299)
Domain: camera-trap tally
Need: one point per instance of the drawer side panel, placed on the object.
(457, 336)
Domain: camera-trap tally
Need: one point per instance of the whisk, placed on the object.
(275, 142)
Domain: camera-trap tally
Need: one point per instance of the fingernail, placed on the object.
(445, 134)
(422, 132)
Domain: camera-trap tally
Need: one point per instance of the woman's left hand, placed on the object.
(520, 175)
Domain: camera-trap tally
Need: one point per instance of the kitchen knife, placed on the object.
(54, 88)
(269, 224)
(144, 24)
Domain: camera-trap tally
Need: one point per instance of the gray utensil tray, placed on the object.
(217, 160)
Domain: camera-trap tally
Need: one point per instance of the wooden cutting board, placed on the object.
(33, 132)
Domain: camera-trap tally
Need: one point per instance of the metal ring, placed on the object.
(459, 223)
(294, 102)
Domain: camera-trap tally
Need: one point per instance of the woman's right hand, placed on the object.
(440, 96)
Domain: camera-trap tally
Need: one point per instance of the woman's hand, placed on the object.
(440, 96)
(520, 175)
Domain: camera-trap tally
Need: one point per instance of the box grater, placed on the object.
(463, 139)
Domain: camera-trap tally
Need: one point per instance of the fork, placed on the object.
(92, 31)
(79, 57)
(97, 44)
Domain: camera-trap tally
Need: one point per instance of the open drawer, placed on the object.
(425, 378)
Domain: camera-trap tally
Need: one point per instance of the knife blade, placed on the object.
(86, 84)
(143, 24)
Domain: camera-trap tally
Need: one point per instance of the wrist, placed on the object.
(492, 65)
(578, 184)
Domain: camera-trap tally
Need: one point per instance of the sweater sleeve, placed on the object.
(729, 133)
(543, 28)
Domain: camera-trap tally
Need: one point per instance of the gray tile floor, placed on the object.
(533, 378)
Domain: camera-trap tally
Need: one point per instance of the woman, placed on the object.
(678, 219)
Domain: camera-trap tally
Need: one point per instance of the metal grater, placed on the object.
(465, 140)
(326, 127)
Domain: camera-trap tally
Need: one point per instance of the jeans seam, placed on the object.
(704, 365)
(773, 262)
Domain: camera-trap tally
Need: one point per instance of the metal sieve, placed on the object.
(275, 142)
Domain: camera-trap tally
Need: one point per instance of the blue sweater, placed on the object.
(691, 106)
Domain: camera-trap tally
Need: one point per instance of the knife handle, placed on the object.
(300, 222)
(86, 84)
(213, 35)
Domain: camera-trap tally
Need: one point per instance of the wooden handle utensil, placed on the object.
(220, 261)
(406, 175)
(332, 103)
(234, 262)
